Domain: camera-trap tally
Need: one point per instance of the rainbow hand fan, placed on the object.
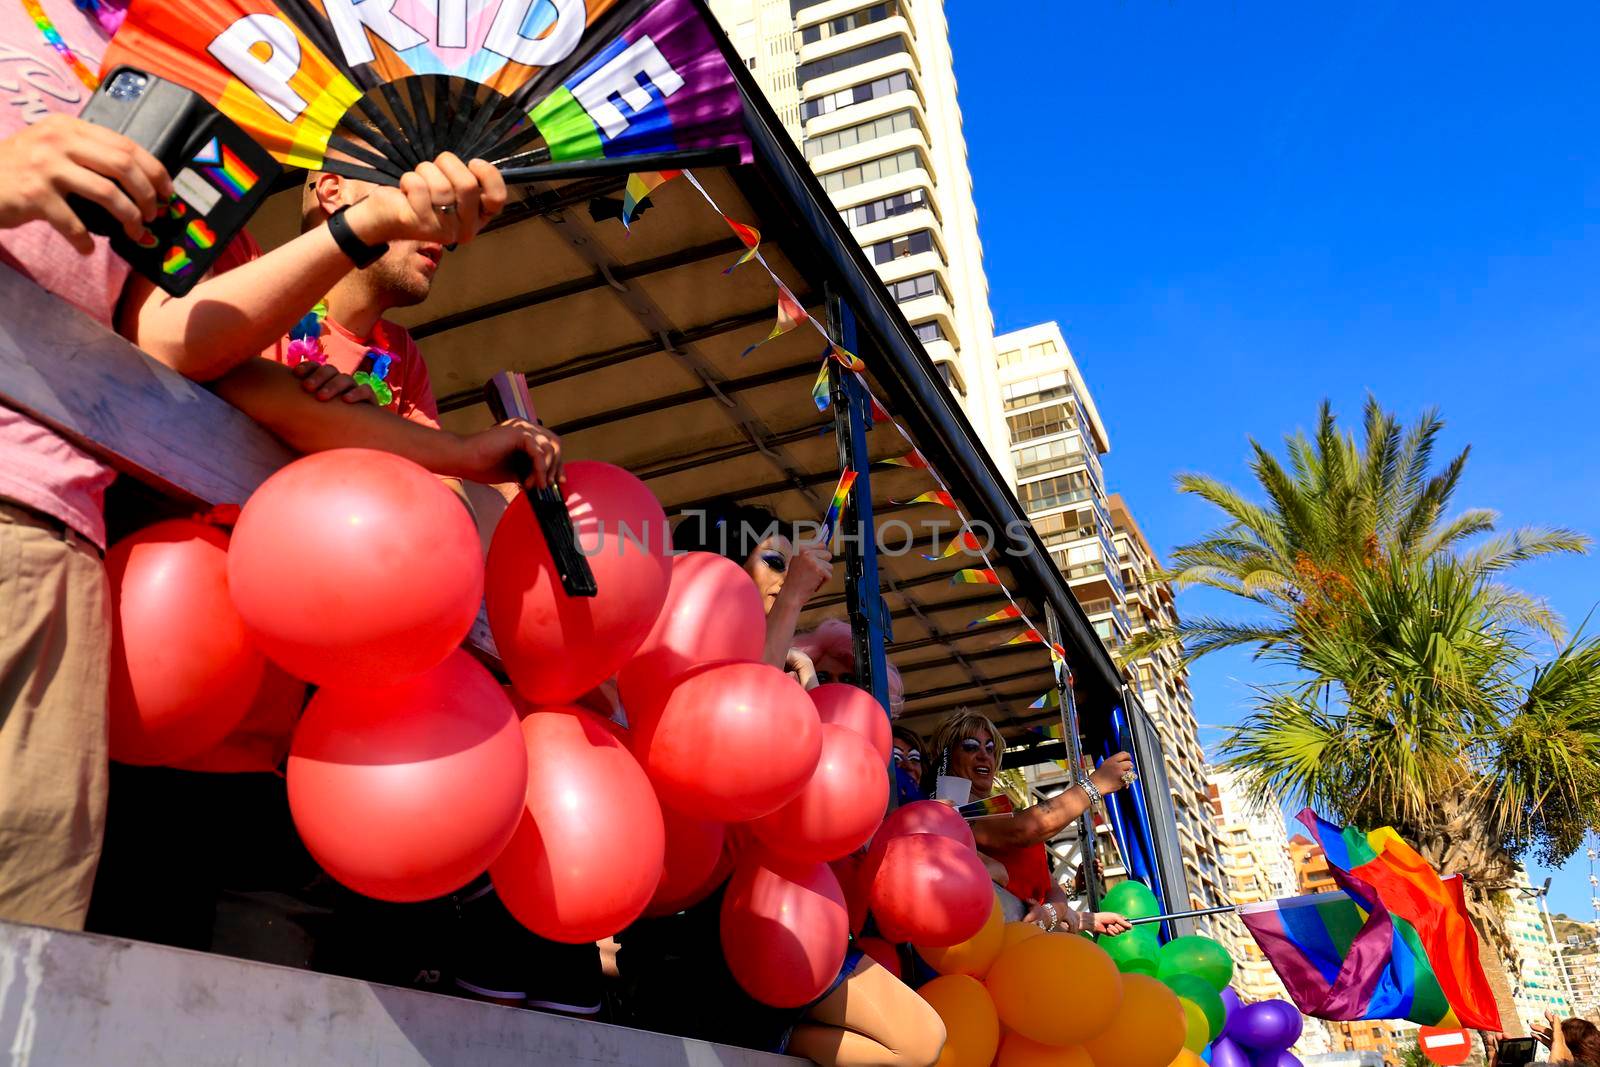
(369, 89)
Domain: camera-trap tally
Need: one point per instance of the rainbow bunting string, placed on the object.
(790, 315)
(752, 243)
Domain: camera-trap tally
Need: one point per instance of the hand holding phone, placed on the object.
(61, 157)
(1514, 1052)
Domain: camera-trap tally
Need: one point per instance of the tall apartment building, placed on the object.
(868, 90)
(1539, 982)
(1578, 948)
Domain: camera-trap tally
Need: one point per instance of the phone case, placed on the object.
(219, 176)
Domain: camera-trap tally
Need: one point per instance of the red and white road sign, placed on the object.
(1447, 1047)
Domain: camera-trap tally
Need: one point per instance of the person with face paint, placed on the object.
(967, 745)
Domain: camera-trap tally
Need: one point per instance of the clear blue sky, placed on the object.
(1237, 209)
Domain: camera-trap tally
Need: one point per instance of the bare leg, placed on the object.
(872, 1020)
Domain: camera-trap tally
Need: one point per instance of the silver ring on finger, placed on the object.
(447, 209)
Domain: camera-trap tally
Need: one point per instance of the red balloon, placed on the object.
(407, 791)
(712, 612)
(556, 647)
(694, 853)
(931, 891)
(851, 873)
(354, 567)
(587, 854)
(784, 930)
(733, 742)
(920, 817)
(883, 953)
(183, 668)
(839, 807)
(858, 710)
(260, 743)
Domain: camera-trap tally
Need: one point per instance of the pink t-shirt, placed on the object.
(408, 375)
(39, 468)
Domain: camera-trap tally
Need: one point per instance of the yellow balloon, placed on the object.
(1057, 989)
(1018, 931)
(1187, 1059)
(1148, 1030)
(1018, 1051)
(975, 955)
(972, 1029)
(1199, 1027)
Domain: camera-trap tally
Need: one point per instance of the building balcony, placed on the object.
(876, 148)
(865, 111)
(893, 26)
(894, 226)
(863, 72)
(933, 308)
(877, 188)
(903, 267)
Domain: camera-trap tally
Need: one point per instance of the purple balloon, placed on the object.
(1278, 1059)
(1231, 1003)
(1271, 1026)
(1225, 1053)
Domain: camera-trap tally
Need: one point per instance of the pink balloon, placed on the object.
(355, 567)
(838, 809)
(184, 670)
(784, 930)
(587, 854)
(733, 742)
(556, 647)
(931, 891)
(694, 851)
(712, 612)
(407, 791)
(858, 710)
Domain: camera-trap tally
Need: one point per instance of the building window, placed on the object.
(853, 57)
(897, 82)
(1010, 357)
(1051, 493)
(886, 208)
(1042, 350)
(915, 288)
(853, 21)
(1042, 422)
(873, 169)
(911, 244)
(930, 331)
(866, 131)
(951, 379)
(1036, 390)
(1038, 459)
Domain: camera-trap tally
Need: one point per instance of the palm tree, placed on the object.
(1425, 693)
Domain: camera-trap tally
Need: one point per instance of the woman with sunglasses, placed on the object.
(967, 745)
(908, 756)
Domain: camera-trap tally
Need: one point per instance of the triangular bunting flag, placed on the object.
(841, 493)
(1052, 699)
(932, 496)
(966, 541)
(790, 315)
(975, 576)
(752, 243)
(1010, 611)
(847, 359)
(913, 459)
(1026, 637)
(821, 393)
(640, 186)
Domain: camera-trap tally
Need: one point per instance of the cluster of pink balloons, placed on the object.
(413, 771)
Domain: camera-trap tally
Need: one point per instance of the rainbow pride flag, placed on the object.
(999, 804)
(1433, 908)
(1343, 956)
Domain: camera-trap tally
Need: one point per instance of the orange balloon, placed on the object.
(1187, 1059)
(1016, 932)
(975, 955)
(1057, 989)
(972, 1029)
(1148, 1030)
(1018, 1051)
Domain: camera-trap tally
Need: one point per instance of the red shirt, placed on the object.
(1027, 870)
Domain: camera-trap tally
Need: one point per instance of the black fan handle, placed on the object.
(506, 394)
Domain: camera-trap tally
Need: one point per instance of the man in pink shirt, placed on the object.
(55, 639)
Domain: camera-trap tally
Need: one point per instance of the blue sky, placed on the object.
(1237, 209)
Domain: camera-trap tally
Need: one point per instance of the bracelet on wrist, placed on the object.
(1087, 785)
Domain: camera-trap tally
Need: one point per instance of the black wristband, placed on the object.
(360, 253)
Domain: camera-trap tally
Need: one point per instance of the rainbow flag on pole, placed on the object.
(1434, 908)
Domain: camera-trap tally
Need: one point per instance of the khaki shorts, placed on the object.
(55, 651)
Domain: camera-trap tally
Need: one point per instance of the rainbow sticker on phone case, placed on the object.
(177, 261)
(224, 169)
(200, 234)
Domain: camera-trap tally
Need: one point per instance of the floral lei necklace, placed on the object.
(305, 343)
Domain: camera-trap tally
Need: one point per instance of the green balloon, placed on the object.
(1136, 952)
(1199, 956)
(1132, 900)
(1199, 992)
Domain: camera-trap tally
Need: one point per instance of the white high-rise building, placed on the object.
(868, 90)
(1541, 983)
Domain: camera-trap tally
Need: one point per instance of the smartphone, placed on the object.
(1515, 1052)
(219, 176)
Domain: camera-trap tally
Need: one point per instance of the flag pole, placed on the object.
(1184, 915)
